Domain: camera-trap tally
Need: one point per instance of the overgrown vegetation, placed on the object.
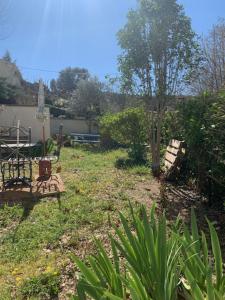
(127, 128)
(152, 262)
(200, 123)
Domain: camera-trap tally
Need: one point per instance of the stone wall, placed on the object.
(73, 126)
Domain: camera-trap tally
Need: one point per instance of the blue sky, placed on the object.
(53, 34)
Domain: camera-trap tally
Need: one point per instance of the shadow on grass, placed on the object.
(92, 148)
(98, 147)
(128, 163)
(27, 204)
(24, 199)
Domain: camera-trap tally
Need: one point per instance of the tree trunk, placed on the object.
(155, 139)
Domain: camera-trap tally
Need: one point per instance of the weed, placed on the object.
(45, 285)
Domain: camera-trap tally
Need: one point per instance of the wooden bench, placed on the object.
(174, 156)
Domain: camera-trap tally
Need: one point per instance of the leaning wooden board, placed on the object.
(173, 158)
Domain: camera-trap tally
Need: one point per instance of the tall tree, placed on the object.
(88, 98)
(7, 57)
(159, 52)
(211, 74)
(69, 79)
(8, 93)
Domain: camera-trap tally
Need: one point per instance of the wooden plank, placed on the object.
(176, 144)
(168, 164)
(48, 187)
(172, 150)
(170, 157)
(40, 189)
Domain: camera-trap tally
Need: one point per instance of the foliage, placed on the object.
(151, 262)
(204, 277)
(210, 76)
(7, 57)
(171, 127)
(45, 285)
(200, 122)
(7, 91)
(160, 53)
(128, 128)
(87, 99)
(68, 80)
(159, 48)
(39, 148)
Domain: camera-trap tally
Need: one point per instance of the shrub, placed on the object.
(200, 122)
(45, 286)
(127, 128)
(150, 261)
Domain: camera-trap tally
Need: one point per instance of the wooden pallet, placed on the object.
(174, 155)
(53, 186)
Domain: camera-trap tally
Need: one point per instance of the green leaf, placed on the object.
(217, 254)
(88, 273)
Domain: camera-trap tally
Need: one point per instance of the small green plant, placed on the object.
(44, 285)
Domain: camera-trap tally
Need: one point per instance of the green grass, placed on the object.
(43, 235)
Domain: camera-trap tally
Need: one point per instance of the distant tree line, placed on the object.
(85, 96)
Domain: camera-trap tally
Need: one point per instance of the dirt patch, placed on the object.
(146, 192)
(178, 200)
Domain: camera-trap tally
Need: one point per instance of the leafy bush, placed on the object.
(44, 285)
(200, 122)
(127, 128)
(38, 149)
(149, 261)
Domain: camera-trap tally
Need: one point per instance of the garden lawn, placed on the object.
(39, 238)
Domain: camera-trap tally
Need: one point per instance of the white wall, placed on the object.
(75, 126)
(9, 115)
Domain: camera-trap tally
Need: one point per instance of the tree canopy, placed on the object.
(87, 98)
(7, 57)
(69, 78)
(211, 74)
(159, 54)
(159, 48)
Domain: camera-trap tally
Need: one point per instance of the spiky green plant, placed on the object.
(152, 253)
(151, 263)
(204, 277)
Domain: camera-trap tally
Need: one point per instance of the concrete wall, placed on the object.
(9, 115)
(75, 126)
